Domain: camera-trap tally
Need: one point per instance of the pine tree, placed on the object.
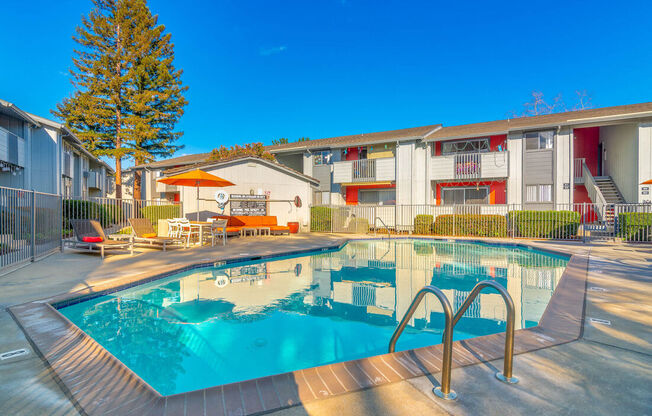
(128, 95)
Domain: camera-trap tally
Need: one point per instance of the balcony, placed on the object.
(162, 187)
(465, 166)
(364, 170)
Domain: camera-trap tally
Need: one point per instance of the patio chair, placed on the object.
(90, 235)
(218, 229)
(186, 230)
(143, 232)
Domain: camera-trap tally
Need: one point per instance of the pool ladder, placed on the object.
(444, 391)
(389, 234)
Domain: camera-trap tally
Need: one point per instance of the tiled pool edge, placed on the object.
(100, 384)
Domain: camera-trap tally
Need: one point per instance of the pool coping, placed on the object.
(99, 383)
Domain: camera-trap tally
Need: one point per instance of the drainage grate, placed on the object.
(599, 321)
(13, 354)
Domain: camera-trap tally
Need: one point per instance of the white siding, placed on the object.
(563, 162)
(515, 177)
(419, 174)
(260, 178)
(620, 160)
(494, 165)
(442, 167)
(404, 155)
(385, 169)
(342, 172)
(644, 160)
(307, 164)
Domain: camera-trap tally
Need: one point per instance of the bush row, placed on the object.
(635, 226)
(320, 219)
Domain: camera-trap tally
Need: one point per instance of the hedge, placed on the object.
(423, 224)
(159, 212)
(80, 209)
(320, 219)
(545, 224)
(635, 226)
(474, 225)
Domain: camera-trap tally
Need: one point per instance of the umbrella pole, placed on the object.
(197, 201)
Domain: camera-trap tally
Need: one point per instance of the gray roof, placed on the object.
(174, 162)
(357, 139)
(216, 163)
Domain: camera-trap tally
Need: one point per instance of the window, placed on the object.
(538, 193)
(465, 146)
(539, 140)
(322, 158)
(377, 196)
(460, 196)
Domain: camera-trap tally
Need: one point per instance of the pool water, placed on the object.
(218, 325)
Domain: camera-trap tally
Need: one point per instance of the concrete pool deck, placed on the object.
(569, 378)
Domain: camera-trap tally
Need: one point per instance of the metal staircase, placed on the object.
(611, 195)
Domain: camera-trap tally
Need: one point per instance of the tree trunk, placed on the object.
(118, 140)
(137, 181)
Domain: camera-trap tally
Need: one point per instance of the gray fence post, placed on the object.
(33, 225)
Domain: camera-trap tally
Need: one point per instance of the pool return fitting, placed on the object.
(444, 391)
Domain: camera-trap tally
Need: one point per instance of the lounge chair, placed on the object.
(218, 229)
(143, 232)
(89, 235)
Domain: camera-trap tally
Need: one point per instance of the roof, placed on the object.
(217, 163)
(39, 121)
(17, 112)
(357, 139)
(174, 162)
(548, 120)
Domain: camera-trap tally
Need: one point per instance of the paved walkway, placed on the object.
(608, 371)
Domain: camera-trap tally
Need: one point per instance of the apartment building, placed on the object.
(42, 155)
(598, 155)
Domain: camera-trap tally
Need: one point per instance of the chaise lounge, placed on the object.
(236, 222)
(143, 232)
(90, 236)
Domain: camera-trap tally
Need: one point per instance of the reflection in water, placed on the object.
(219, 325)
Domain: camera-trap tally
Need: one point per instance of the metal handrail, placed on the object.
(444, 391)
(389, 234)
(506, 375)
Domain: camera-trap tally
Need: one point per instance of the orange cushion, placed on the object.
(92, 239)
(149, 235)
(233, 229)
(269, 220)
(279, 228)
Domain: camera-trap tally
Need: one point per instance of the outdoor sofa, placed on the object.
(236, 222)
(90, 236)
(143, 232)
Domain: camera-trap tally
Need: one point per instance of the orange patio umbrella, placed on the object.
(648, 182)
(196, 178)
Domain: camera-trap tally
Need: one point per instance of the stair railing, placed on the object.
(594, 191)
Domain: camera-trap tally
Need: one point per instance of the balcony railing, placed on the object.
(464, 166)
(365, 170)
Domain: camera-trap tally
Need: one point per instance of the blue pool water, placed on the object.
(217, 325)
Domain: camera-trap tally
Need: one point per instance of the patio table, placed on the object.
(202, 226)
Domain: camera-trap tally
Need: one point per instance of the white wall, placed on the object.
(515, 178)
(621, 144)
(644, 161)
(248, 175)
(420, 174)
(404, 186)
(562, 173)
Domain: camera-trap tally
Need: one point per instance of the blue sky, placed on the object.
(259, 70)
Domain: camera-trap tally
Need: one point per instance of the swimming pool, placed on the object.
(238, 321)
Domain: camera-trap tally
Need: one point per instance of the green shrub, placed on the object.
(635, 226)
(423, 224)
(86, 210)
(320, 219)
(472, 225)
(160, 212)
(545, 224)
